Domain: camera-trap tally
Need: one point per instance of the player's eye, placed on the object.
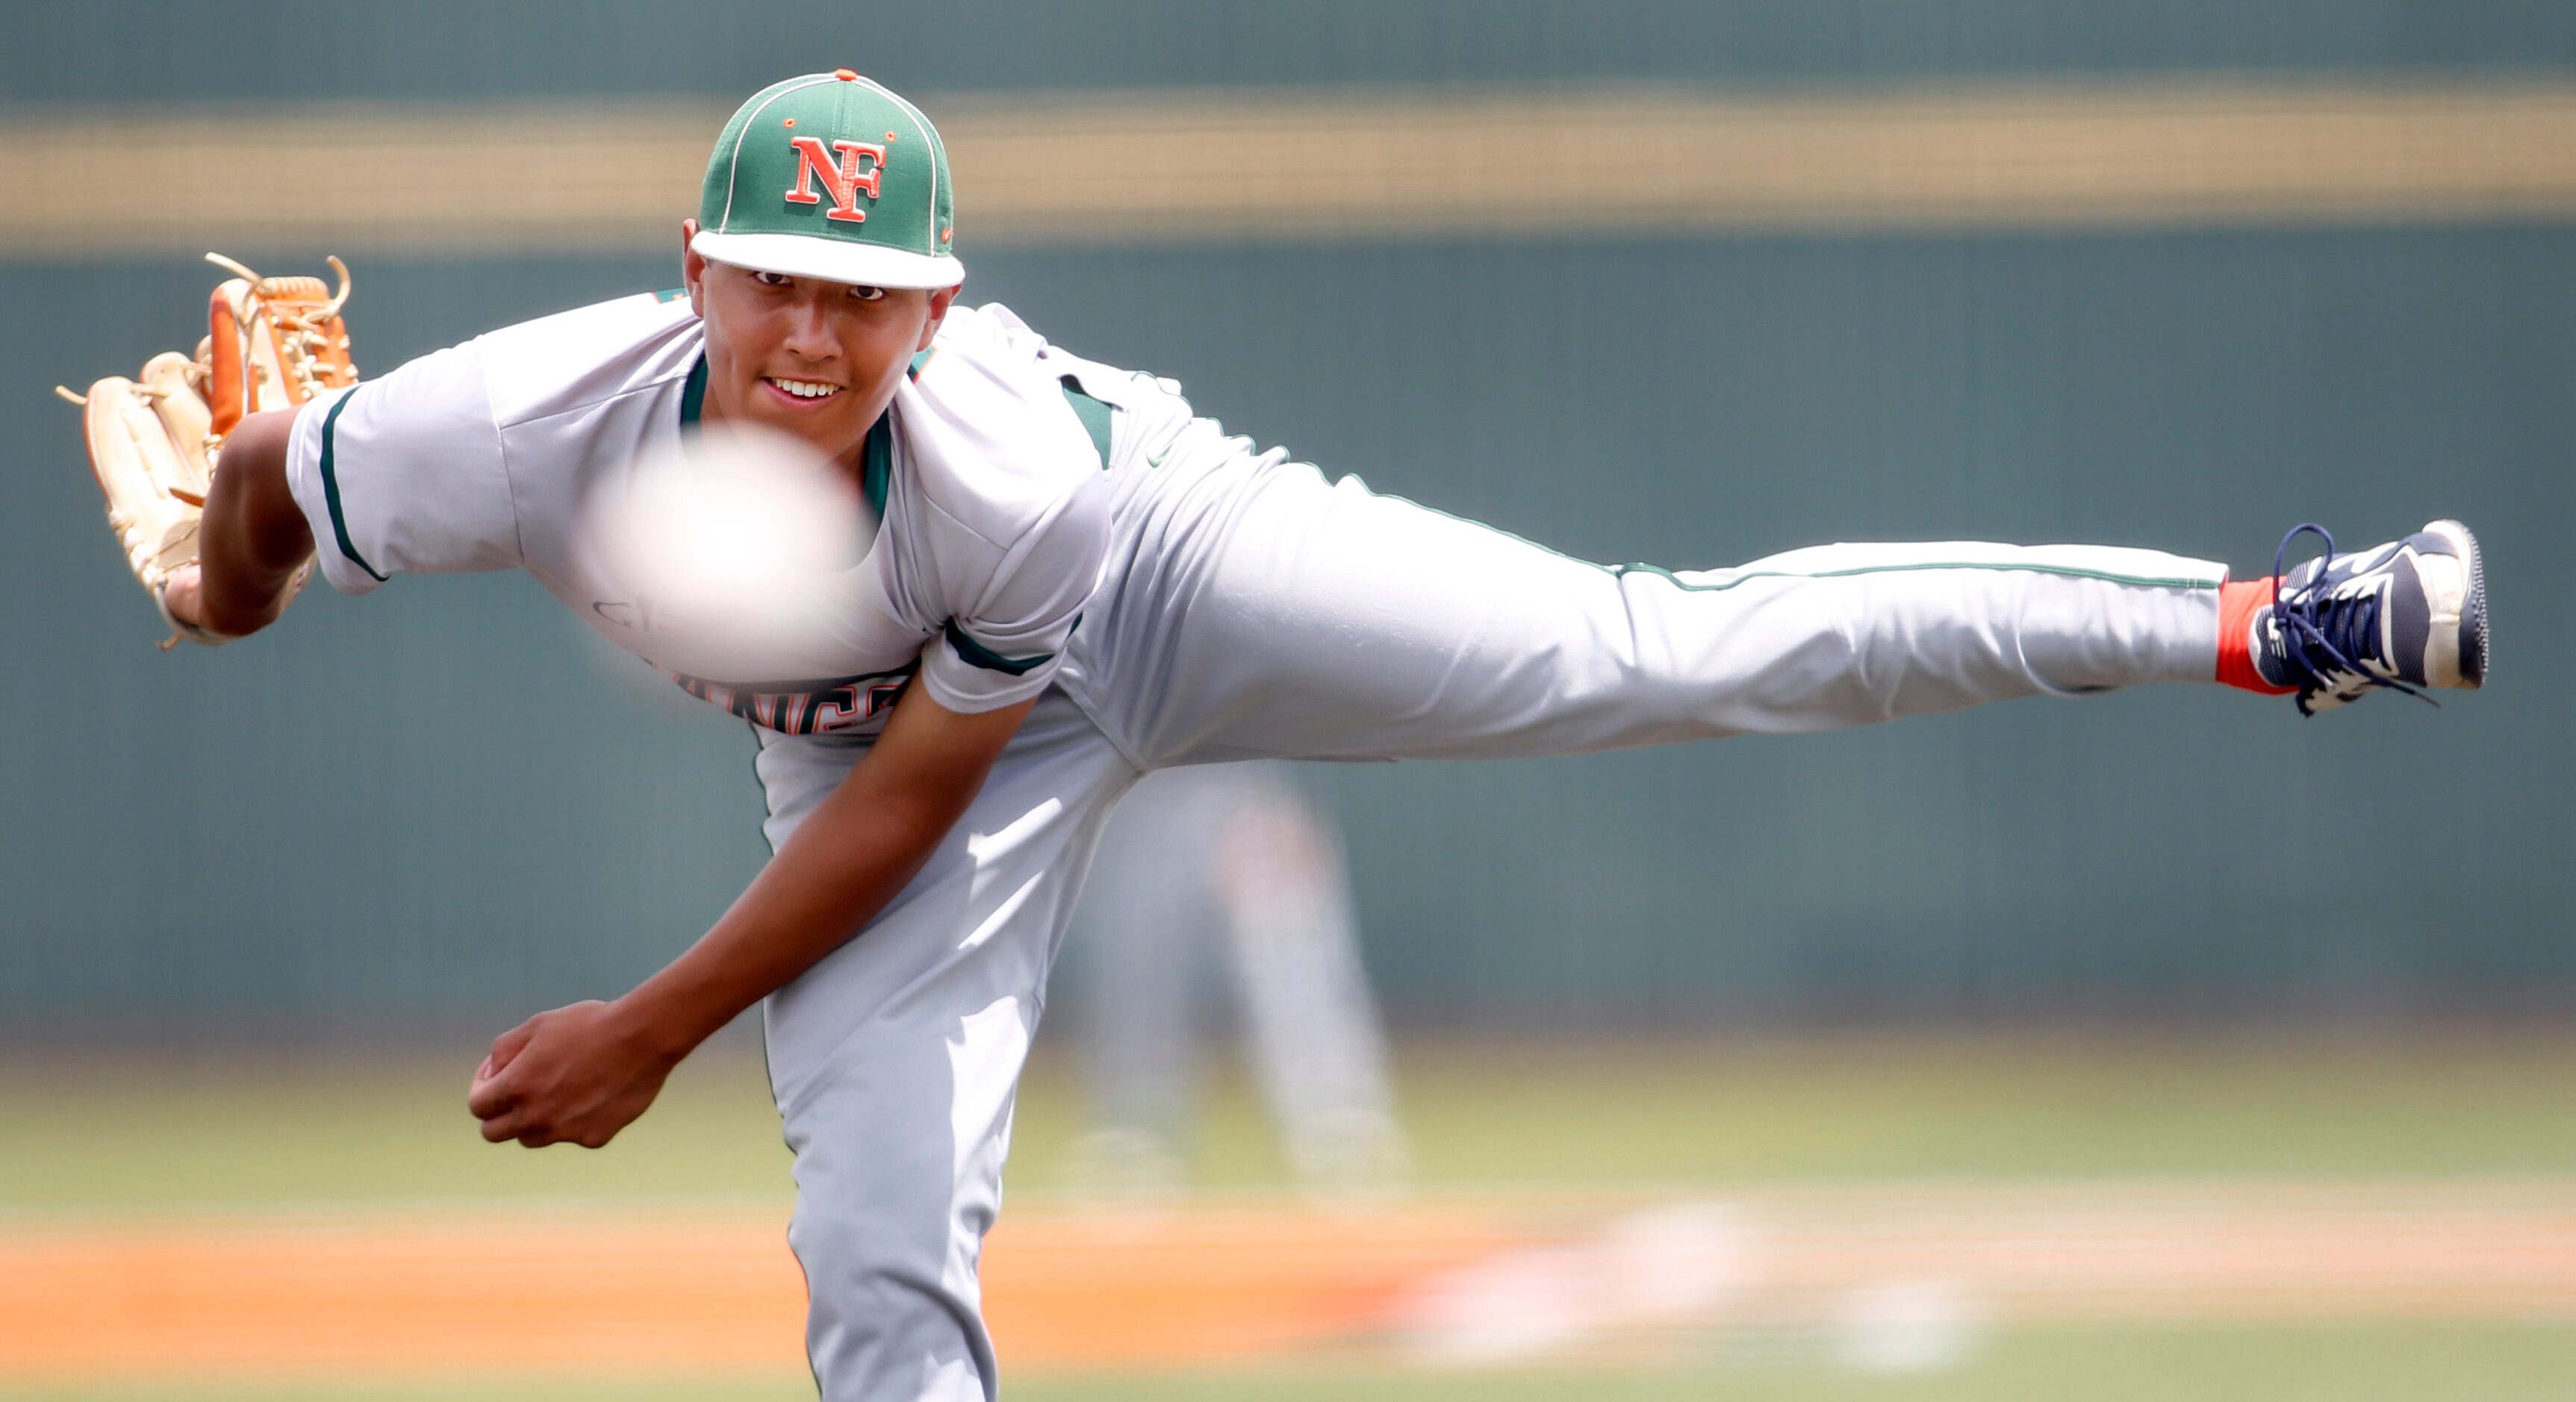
(769, 279)
(868, 294)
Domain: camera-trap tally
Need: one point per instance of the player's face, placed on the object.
(818, 360)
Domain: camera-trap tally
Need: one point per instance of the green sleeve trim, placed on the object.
(670, 294)
(331, 485)
(992, 661)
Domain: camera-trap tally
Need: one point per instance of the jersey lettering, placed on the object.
(842, 178)
(823, 710)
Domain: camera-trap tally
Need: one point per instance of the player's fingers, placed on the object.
(507, 1046)
(181, 594)
(491, 1095)
(503, 1127)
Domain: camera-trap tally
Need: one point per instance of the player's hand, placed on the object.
(575, 1075)
(183, 597)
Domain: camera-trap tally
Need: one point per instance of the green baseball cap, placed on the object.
(830, 176)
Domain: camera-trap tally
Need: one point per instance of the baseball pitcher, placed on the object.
(1068, 579)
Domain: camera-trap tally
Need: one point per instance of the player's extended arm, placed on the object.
(580, 1074)
(253, 537)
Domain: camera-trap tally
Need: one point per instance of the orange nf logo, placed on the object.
(842, 177)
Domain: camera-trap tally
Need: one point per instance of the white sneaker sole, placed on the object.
(2455, 652)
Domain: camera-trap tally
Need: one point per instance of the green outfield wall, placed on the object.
(447, 803)
(165, 50)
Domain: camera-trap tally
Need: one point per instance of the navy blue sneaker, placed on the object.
(2407, 615)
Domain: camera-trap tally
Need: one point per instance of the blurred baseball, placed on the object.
(740, 545)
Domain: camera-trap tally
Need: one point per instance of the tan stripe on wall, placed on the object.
(1142, 168)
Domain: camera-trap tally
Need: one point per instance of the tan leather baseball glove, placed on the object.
(156, 441)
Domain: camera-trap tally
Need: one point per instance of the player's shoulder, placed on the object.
(994, 441)
(590, 355)
(986, 358)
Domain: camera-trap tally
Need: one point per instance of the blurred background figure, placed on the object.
(1225, 876)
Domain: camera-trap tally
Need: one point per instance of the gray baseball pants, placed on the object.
(1254, 610)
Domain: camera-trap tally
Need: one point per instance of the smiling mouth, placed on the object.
(808, 390)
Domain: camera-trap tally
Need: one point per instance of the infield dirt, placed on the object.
(1453, 1280)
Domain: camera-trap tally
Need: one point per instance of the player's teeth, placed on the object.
(805, 389)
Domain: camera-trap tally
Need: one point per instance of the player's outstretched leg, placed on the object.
(1269, 613)
(2402, 616)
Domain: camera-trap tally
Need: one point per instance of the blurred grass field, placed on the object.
(173, 1140)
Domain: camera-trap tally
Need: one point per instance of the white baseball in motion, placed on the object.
(738, 543)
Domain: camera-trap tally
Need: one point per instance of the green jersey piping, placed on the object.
(693, 395)
(876, 470)
(1094, 413)
(331, 486)
(991, 661)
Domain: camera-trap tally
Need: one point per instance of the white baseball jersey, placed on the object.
(988, 483)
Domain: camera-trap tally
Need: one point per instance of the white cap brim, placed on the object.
(831, 260)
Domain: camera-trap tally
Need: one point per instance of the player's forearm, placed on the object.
(253, 536)
(844, 864)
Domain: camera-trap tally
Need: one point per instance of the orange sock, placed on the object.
(2237, 605)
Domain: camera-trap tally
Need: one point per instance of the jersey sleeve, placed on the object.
(405, 474)
(1005, 646)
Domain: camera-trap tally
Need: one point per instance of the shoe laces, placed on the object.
(2322, 632)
